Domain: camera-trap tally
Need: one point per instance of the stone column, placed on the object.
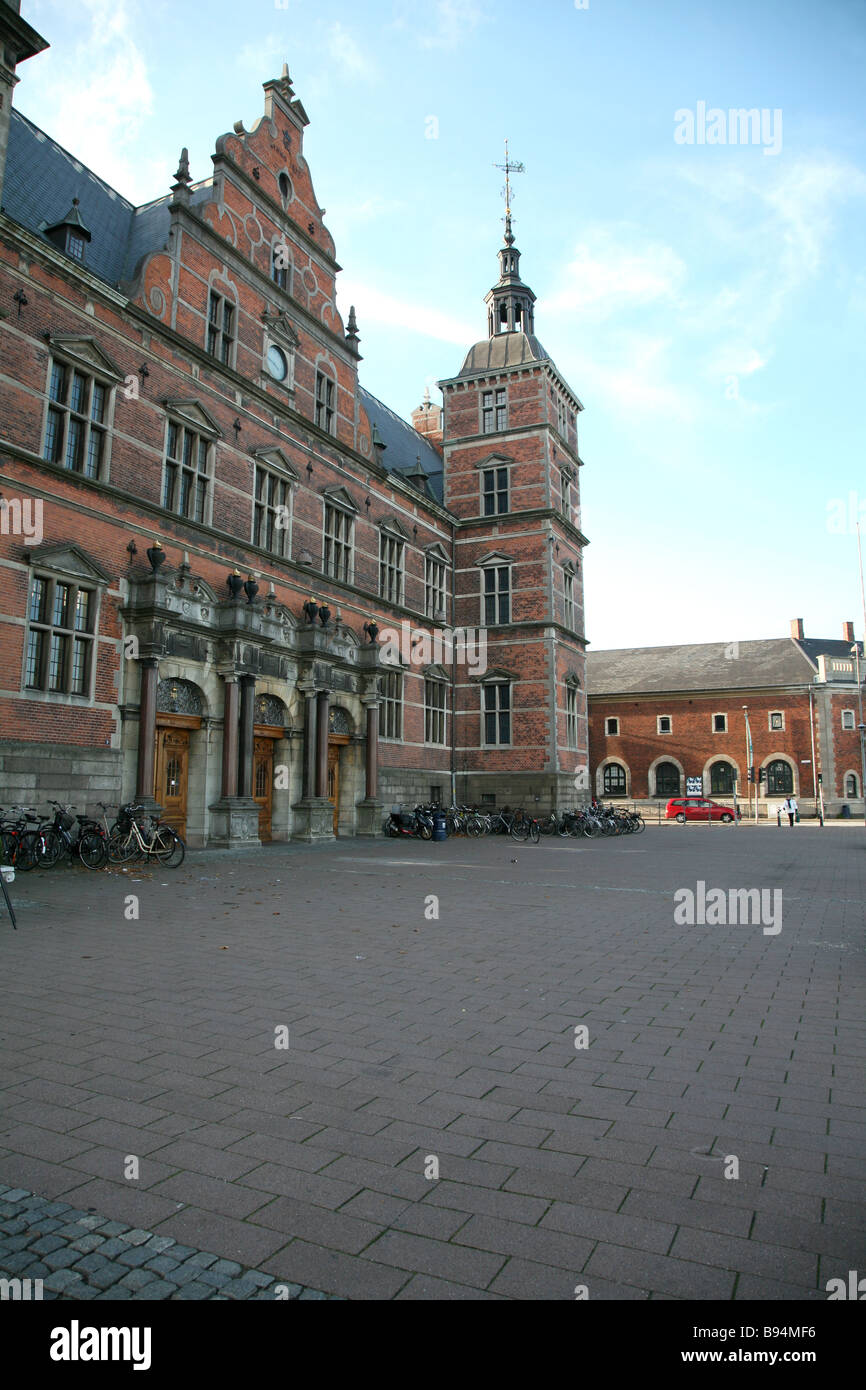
(230, 737)
(372, 752)
(309, 786)
(147, 727)
(247, 735)
(369, 819)
(323, 700)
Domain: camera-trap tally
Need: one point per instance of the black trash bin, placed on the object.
(440, 826)
(845, 813)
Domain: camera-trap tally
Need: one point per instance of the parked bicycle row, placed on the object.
(436, 822)
(30, 841)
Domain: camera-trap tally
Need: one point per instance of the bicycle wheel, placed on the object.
(520, 827)
(50, 847)
(167, 847)
(27, 852)
(8, 846)
(92, 850)
(122, 847)
(534, 831)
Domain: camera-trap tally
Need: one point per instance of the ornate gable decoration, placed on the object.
(494, 558)
(437, 551)
(86, 353)
(572, 678)
(390, 523)
(194, 414)
(68, 560)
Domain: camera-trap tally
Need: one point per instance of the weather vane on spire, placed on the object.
(511, 166)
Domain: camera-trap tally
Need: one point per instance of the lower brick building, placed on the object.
(235, 584)
(666, 720)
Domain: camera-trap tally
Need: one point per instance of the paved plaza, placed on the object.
(469, 1070)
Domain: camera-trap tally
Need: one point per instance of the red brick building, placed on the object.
(210, 532)
(663, 716)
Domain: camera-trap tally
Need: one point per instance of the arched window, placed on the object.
(780, 779)
(851, 785)
(722, 779)
(613, 782)
(667, 779)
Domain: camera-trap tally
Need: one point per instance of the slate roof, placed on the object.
(503, 350)
(700, 667)
(404, 445)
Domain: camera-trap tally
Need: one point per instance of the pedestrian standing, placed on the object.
(791, 808)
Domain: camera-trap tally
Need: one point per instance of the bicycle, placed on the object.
(128, 842)
(90, 847)
(525, 827)
(20, 839)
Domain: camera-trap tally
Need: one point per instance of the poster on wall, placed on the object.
(694, 786)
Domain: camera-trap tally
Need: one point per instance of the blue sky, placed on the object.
(706, 301)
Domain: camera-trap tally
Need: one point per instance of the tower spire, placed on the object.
(510, 303)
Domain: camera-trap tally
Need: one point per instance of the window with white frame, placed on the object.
(565, 495)
(435, 711)
(665, 724)
(611, 727)
(186, 472)
(494, 411)
(435, 590)
(571, 715)
(76, 427)
(391, 559)
(391, 705)
(851, 785)
(281, 267)
(325, 396)
(614, 781)
(61, 627)
(720, 723)
(776, 721)
(497, 595)
(339, 529)
(494, 490)
(221, 328)
(272, 511)
(496, 707)
(568, 600)
(848, 719)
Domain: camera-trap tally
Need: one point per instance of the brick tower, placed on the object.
(511, 475)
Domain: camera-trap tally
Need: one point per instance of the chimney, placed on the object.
(17, 43)
(797, 629)
(848, 632)
(427, 420)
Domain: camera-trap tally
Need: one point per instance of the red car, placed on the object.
(683, 808)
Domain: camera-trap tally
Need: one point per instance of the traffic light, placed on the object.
(820, 779)
(762, 772)
(751, 774)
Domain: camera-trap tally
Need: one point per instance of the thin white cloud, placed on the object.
(607, 276)
(95, 98)
(348, 55)
(439, 24)
(376, 306)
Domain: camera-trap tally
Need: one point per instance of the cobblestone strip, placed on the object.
(79, 1255)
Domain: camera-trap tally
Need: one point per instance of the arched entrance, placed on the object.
(339, 737)
(179, 711)
(269, 729)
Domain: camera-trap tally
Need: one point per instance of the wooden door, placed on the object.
(263, 785)
(172, 776)
(334, 781)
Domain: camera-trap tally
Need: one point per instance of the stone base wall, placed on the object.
(31, 773)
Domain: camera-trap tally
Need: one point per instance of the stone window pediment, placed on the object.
(391, 524)
(436, 673)
(494, 558)
(437, 552)
(70, 561)
(339, 497)
(86, 353)
(194, 414)
(280, 327)
(497, 675)
(271, 457)
(495, 461)
(572, 678)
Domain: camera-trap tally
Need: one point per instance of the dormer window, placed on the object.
(70, 234)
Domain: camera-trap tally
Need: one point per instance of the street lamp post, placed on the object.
(749, 761)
